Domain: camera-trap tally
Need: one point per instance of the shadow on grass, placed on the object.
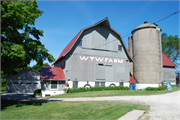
(8, 103)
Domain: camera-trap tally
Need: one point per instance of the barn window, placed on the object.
(119, 47)
(79, 43)
(35, 83)
(15, 83)
(75, 84)
(96, 83)
(100, 84)
(61, 82)
(22, 83)
(53, 84)
(100, 64)
(121, 84)
(29, 83)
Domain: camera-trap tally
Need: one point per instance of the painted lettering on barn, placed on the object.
(98, 59)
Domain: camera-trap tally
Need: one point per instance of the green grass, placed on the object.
(113, 93)
(67, 110)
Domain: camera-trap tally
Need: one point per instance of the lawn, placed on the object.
(67, 110)
(113, 93)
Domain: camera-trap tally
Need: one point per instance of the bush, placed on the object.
(161, 88)
(3, 89)
(96, 88)
(155, 88)
(3, 82)
(37, 92)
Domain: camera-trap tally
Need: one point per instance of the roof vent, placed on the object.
(145, 22)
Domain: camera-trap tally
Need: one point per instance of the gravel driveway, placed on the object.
(163, 107)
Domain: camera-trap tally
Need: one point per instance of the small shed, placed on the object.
(26, 81)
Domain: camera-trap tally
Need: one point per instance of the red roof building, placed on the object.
(167, 61)
(52, 73)
(88, 63)
(132, 80)
(70, 45)
(107, 30)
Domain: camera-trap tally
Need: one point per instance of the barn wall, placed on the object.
(169, 74)
(82, 70)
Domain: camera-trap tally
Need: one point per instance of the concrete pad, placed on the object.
(133, 115)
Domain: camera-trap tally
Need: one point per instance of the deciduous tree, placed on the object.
(20, 39)
(170, 46)
(38, 67)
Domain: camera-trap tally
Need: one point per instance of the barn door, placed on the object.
(75, 84)
(100, 71)
(109, 73)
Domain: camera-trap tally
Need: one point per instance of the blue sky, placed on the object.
(62, 20)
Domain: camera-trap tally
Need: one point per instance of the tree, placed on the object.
(177, 76)
(3, 82)
(38, 67)
(170, 46)
(20, 40)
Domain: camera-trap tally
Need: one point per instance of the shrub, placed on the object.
(37, 92)
(3, 89)
(161, 88)
(96, 88)
(82, 89)
(155, 88)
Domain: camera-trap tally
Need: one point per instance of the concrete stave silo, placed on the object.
(146, 50)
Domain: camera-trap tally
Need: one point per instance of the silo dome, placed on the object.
(146, 25)
(147, 54)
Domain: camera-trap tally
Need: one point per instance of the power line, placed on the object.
(167, 16)
(126, 34)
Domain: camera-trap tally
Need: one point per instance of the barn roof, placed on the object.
(132, 80)
(103, 22)
(52, 73)
(167, 61)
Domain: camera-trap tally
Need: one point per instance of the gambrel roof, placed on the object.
(103, 22)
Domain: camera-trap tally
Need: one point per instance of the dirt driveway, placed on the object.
(163, 107)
